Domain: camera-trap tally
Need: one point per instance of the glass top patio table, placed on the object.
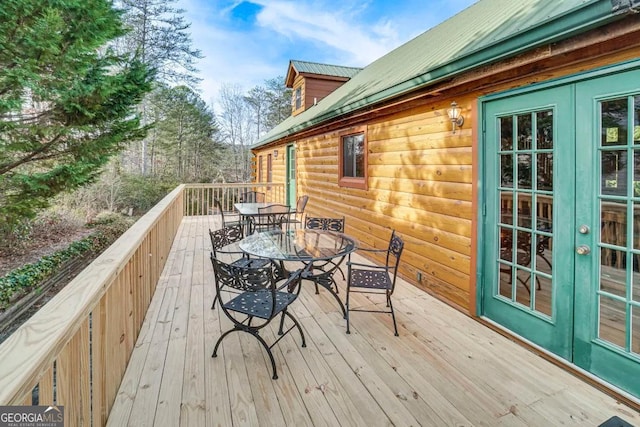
(298, 245)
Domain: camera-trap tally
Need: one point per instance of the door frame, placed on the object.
(290, 195)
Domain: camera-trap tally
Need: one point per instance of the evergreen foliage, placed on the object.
(66, 99)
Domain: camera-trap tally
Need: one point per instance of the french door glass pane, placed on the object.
(612, 320)
(614, 122)
(619, 234)
(526, 210)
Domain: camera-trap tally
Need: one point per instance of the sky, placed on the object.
(245, 43)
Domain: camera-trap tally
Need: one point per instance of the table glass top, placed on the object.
(249, 209)
(298, 245)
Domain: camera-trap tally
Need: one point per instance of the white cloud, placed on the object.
(362, 42)
(350, 32)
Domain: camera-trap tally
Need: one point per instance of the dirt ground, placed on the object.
(41, 242)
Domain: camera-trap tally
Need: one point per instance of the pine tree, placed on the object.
(66, 99)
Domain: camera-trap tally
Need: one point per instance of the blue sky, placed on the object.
(247, 42)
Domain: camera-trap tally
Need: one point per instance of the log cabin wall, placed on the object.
(421, 176)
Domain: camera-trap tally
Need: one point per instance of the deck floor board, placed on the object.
(444, 369)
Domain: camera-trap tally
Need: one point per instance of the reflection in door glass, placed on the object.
(635, 327)
(614, 172)
(524, 132)
(506, 133)
(612, 316)
(619, 234)
(614, 122)
(506, 170)
(526, 211)
(544, 134)
(524, 171)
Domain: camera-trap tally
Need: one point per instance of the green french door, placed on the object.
(561, 228)
(291, 176)
(607, 300)
(529, 173)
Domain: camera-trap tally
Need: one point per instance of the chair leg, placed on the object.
(215, 349)
(266, 347)
(259, 338)
(393, 316)
(295, 321)
(214, 301)
(346, 310)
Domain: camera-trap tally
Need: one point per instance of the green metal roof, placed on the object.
(484, 32)
(324, 69)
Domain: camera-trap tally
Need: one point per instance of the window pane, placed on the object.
(524, 132)
(524, 171)
(614, 122)
(614, 172)
(353, 156)
(506, 133)
(545, 171)
(347, 157)
(358, 142)
(506, 170)
(544, 132)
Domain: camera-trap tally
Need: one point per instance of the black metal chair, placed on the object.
(259, 301)
(327, 268)
(252, 197)
(376, 279)
(297, 215)
(225, 236)
(229, 219)
(271, 217)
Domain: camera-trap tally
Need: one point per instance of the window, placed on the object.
(353, 159)
(260, 177)
(269, 168)
(298, 98)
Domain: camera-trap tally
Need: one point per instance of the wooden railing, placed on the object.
(199, 197)
(74, 351)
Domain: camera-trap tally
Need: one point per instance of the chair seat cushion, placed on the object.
(258, 304)
(370, 279)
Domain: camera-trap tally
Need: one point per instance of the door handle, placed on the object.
(583, 250)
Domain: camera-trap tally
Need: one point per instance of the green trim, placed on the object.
(581, 19)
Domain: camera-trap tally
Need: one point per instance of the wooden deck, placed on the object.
(444, 369)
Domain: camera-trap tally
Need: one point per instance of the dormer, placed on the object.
(311, 82)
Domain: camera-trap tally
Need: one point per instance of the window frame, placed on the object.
(269, 168)
(352, 181)
(260, 170)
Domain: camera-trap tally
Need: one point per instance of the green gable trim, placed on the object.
(582, 17)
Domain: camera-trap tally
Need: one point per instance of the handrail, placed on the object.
(76, 348)
(199, 197)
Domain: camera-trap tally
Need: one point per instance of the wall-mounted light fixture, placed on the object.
(275, 154)
(455, 116)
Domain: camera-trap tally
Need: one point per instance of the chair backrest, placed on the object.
(252, 197)
(272, 216)
(321, 223)
(301, 204)
(218, 208)
(225, 236)
(394, 252)
(247, 279)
